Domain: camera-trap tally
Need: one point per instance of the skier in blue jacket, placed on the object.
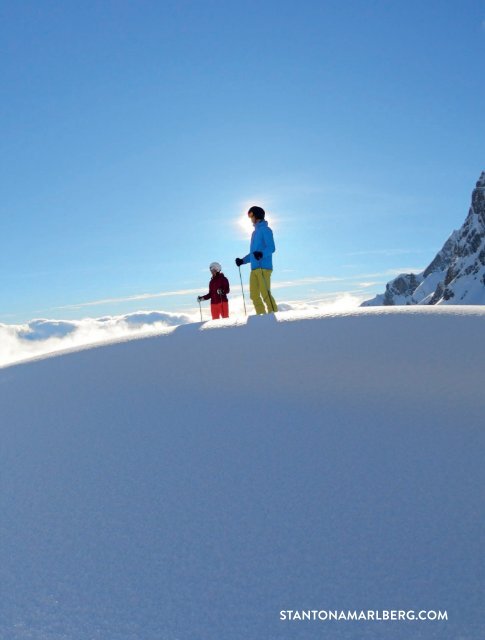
(261, 258)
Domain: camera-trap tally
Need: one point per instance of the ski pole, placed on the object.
(200, 309)
(270, 298)
(220, 302)
(242, 289)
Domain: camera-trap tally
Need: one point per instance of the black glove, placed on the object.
(200, 298)
(258, 255)
(239, 262)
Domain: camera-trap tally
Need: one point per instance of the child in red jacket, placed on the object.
(218, 290)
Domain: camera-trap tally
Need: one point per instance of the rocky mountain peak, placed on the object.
(456, 275)
(478, 198)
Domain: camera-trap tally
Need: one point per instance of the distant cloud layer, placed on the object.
(40, 337)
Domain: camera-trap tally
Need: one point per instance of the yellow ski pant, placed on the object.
(260, 291)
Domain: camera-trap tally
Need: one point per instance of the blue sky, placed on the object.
(134, 135)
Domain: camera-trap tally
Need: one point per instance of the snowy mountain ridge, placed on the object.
(457, 273)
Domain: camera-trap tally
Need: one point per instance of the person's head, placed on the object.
(256, 214)
(215, 267)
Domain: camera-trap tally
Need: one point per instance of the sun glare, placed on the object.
(244, 224)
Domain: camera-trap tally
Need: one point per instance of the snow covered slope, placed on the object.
(457, 273)
(193, 485)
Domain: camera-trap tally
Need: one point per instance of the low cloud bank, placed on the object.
(41, 336)
(329, 304)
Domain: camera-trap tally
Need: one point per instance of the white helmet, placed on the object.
(215, 266)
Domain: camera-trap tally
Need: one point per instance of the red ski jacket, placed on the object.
(219, 281)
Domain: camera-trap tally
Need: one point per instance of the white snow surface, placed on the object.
(193, 485)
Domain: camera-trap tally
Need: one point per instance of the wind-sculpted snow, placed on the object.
(40, 337)
(195, 484)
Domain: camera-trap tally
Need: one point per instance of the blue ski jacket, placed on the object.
(261, 240)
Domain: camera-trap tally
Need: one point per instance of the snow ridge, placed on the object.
(194, 484)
